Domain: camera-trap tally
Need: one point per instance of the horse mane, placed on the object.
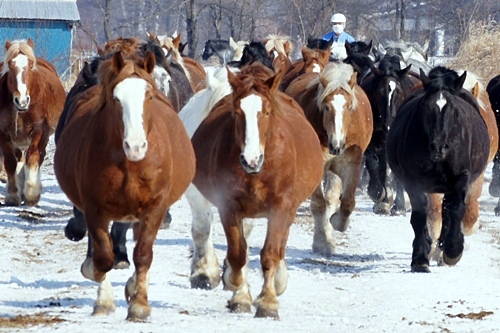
(338, 76)
(318, 43)
(18, 46)
(278, 43)
(256, 52)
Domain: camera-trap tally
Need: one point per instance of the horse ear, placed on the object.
(475, 90)
(31, 43)
(348, 48)
(403, 72)
(425, 80)
(118, 61)
(323, 80)
(232, 43)
(182, 46)
(234, 81)
(353, 80)
(177, 41)
(369, 47)
(288, 47)
(149, 62)
(459, 83)
(87, 72)
(8, 44)
(100, 51)
(151, 35)
(304, 51)
(274, 82)
(170, 56)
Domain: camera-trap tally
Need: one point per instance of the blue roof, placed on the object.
(64, 10)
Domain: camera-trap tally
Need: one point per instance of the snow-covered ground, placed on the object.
(366, 287)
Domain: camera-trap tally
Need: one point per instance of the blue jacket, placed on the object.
(344, 36)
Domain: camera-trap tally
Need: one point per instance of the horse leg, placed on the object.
(76, 228)
(100, 261)
(470, 221)
(323, 242)
(13, 197)
(494, 188)
(452, 238)
(136, 289)
(422, 241)
(348, 167)
(119, 237)
(272, 259)
(376, 165)
(35, 154)
(434, 224)
(497, 208)
(399, 206)
(3, 172)
(235, 270)
(204, 266)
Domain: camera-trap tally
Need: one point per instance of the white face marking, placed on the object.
(131, 93)
(316, 68)
(392, 88)
(441, 102)
(251, 106)
(338, 104)
(21, 62)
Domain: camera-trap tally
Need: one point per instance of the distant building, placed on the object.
(49, 23)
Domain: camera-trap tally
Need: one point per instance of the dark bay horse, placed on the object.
(264, 161)
(493, 89)
(220, 48)
(31, 102)
(339, 111)
(144, 163)
(386, 87)
(438, 143)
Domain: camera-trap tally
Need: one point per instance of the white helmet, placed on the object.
(337, 17)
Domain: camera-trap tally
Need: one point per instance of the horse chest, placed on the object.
(20, 128)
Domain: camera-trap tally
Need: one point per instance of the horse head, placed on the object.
(315, 59)
(253, 107)
(21, 61)
(336, 99)
(129, 87)
(440, 118)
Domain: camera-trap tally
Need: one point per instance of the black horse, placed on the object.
(386, 87)
(220, 48)
(438, 143)
(493, 90)
(358, 56)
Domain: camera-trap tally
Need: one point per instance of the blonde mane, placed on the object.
(277, 42)
(338, 76)
(18, 46)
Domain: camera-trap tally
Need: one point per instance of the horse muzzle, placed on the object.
(22, 104)
(253, 167)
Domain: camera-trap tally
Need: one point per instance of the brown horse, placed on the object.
(470, 221)
(257, 157)
(341, 115)
(123, 155)
(313, 61)
(31, 101)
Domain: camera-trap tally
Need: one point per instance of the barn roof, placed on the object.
(63, 10)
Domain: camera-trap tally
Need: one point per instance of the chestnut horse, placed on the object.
(140, 167)
(313, 61)
(257, 157)
(31, 102)
(439, 143)
(340, 113)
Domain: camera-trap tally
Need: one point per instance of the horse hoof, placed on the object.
(338, 224)
(72, 232)
(12, 200)
(381, 208)
(103, 309)
(138, 313)
(267, 313)
(451, 261)
(422, 268)
(497, 211)
(326, 251)
(201, 282)
(166, 221)
(122, 264)
(398, 212)
(239, 307)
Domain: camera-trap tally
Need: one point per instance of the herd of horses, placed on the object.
(144, 124)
